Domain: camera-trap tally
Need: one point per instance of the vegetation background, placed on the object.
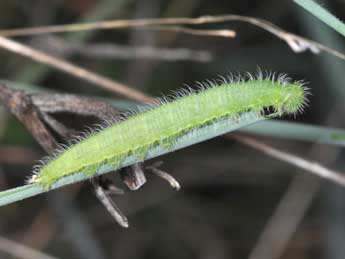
(235, 202)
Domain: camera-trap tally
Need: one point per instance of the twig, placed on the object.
(112, 208)
(70, 68)
(165, 176)
(20, 105)
(57, 103)
(58, 127)
(307, 165)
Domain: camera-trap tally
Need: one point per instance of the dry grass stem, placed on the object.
(196, 32)
(72, 69)
(115, 24)
(307, 165)
(295, 42)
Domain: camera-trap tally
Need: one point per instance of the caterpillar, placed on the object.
(169, 118)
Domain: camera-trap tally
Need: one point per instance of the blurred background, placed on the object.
(235, 202)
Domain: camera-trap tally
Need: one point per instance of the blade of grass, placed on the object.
(322, 14)
(269, 128)
(298, 131)
(199, 135)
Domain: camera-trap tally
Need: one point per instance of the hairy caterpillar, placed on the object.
(169, 119)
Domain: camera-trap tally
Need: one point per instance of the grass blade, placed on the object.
(298, 131)
(196, 136)
(322, 14)
(269, 128)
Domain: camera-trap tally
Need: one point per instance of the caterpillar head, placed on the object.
(295, 98)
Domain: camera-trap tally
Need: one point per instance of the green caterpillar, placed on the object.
(169, 119)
